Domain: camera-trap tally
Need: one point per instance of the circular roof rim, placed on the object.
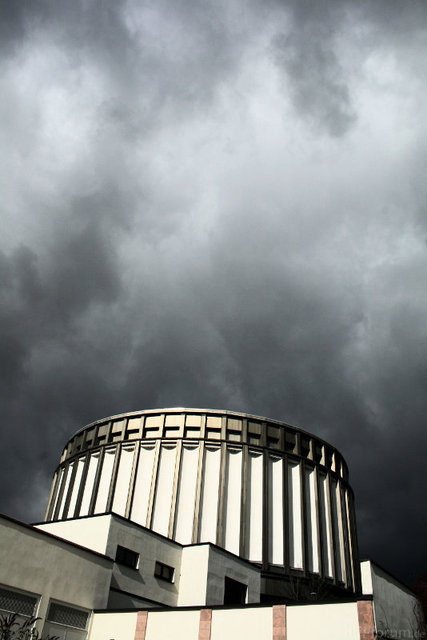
(241, 414)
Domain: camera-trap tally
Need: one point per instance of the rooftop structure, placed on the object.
(194, 524)
(263, 490)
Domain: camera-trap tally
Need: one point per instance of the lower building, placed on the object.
(245, 530)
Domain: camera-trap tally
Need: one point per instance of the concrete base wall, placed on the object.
(396, 609)
(341, 621)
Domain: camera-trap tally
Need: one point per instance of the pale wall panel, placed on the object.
(326, 524)
(233, 500)
(295, 515)
(311, 518)
(186, 494)
(275, 509)
(164, 489)
(254, 506)
(141, 496)
(90, 479)
(172, 625)
(242, 624)
(105, 481)
(58, 493)
(66, 487)
(323, 622)
(123, 480)
(212, 465)
(76, 487)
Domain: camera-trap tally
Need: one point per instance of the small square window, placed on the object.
(12, 601)
(234, 591)
(127, 557)
(164, 572)
(67, 616)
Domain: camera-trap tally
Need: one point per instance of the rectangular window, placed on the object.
(12, 601)
(164, 572)
(65, 622)
(234, 591)
(127, 557)
(67, 616)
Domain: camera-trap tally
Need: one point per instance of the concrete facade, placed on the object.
(338, 621)
(397, 611)
(50, 568)
(261, 489)
(205, 525)
(199, 570)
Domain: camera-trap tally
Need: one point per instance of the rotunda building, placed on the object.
(261, 489)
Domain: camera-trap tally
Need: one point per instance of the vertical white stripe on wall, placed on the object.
(314, 523)
(350, 537)
(311, 516)
(90, 479)
(67, 485)
(348, 577)
(341, 533)
(254, 506)
(76, 487)
(105, 481)
(233, 492)
(295, 512)
(326, 524)
(275, 508)
(335, 529)
(186, 494)
(164, 488)
(210, 494)
(58, 493)
(144, 475)
(123, 480)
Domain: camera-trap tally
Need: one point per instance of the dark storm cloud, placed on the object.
(219, 205)
(319, 90)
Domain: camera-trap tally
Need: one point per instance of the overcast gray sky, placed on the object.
(219, 204)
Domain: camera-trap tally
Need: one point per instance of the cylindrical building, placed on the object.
(263, 490)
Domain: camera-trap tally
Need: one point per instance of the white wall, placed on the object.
(323, 622)
(33, 561)
(174, 625)
(150, 547)
(222, 564)
(194, 576)
(88, 532)
(242, 624)
(120, 626)
(395, 607)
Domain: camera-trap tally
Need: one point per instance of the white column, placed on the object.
(105, 481)
(233, 492)
(312, 523)
(326, 525)
(76, 487)
(254, 506)
(210, 491)
(164, 489)
(90, 479)
(275, 510)
(123, 480)
(186, 494)
(350, 538)
(341, 512)
(141, 496)
(295, 516)
(67, 485)
(58, 493)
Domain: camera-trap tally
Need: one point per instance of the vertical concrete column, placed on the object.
(279, 622)
(365, 613)
(141, 625)
(205, 624)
